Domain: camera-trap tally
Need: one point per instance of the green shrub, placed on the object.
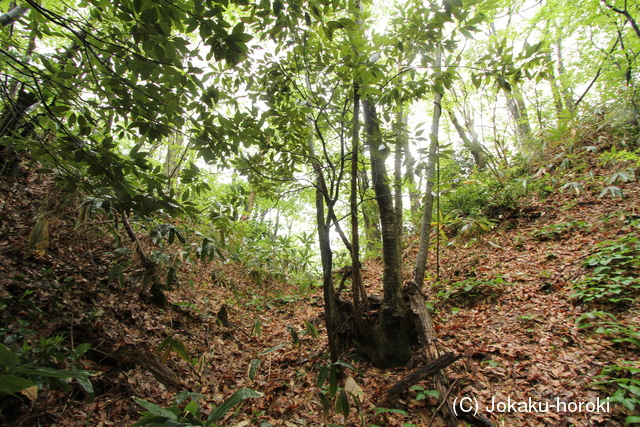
(556, 231)
(488, 198)
(469, 290)
(19, 377)
(614, 275)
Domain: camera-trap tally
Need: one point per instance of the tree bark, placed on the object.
(150, 267)
(555, 92)
(392, 282)
(13, 15)
(370, 214)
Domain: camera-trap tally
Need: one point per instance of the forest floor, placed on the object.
(516, 325)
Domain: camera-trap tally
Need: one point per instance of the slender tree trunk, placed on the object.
(564, 86)
(12, 16)
(370, 214)
(425, 230)
(331, 313)
(400, 131)
(251, 201)
(555, 92)
(518, 111)
(522, 107)
(150, 267)
(174, 160)
(392, 281)
(359, 295)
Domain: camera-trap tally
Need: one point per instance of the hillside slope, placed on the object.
(506, 303)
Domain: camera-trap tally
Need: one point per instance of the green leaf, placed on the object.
(294, 336)
(171, 277)
(322, 375)
(342, 404)
(7, 358)
(80, 350)
(333, 380)
(150, 16)
(253, 369)
(12, 384)
(274, 348)
(157, 410)
(86, 385)
(311, 330)
(326, 404)
(46, 372)
(237, 397)
(277, 7)
(181, 350)
(116, 272)
(192, 408)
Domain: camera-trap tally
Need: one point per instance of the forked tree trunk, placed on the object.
(391, 336)
(473, 146)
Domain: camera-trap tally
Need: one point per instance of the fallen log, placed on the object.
(431, 369)
(115, 352)
(131, 355)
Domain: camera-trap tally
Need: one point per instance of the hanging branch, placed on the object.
(626, 14)
(150, 267)
(597, 74)
(13, 15)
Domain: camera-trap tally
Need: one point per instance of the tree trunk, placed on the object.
(425, 229)
(565, 89)
(555, 92)
(400, 131)
(518, 111)
(391, 335)
(427, 336)
(370, 214)
(251, 201)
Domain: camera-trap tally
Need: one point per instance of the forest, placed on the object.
(319, 213)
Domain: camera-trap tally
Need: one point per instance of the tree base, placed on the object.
(388, 338)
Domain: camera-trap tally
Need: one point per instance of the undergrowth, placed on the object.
(613, 278)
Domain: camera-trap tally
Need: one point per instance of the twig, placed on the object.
(442, 402)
